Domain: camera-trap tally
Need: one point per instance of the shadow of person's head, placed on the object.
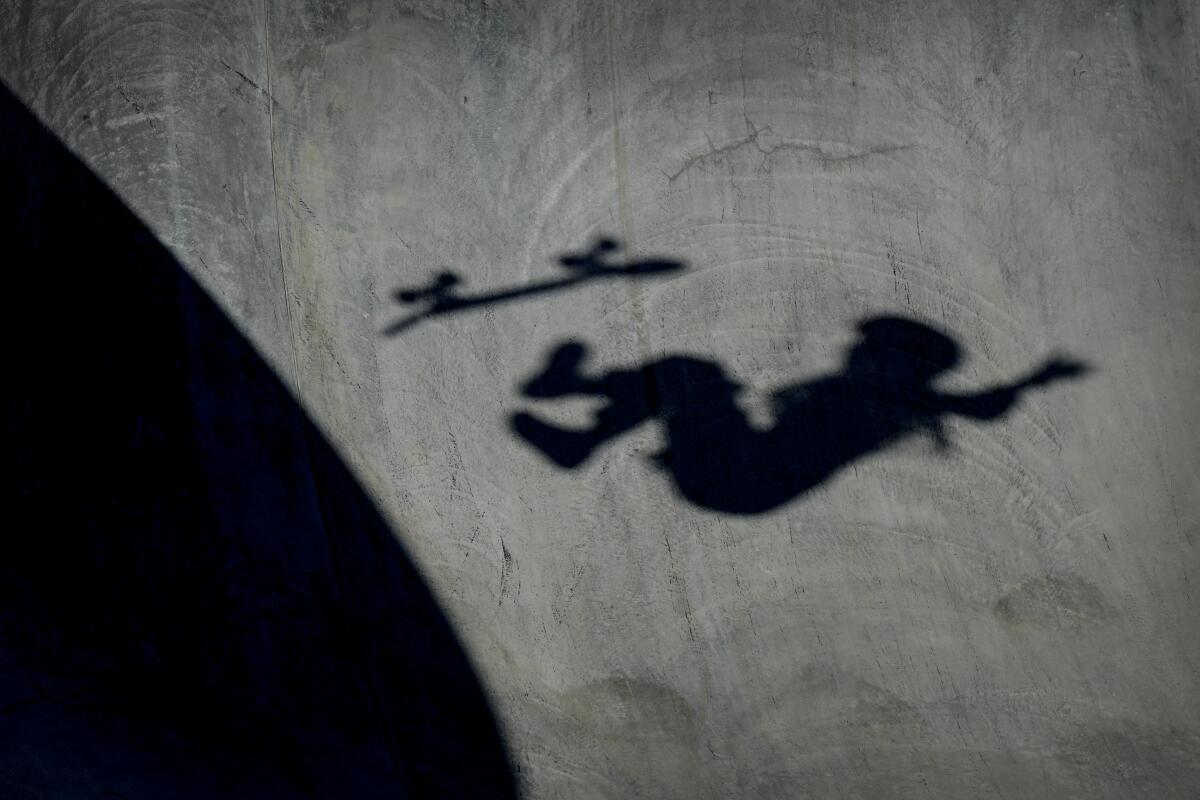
(900, 350)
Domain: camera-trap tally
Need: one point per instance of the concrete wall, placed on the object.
(1005, 611)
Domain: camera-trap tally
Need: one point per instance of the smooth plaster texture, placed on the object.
(1015, 616)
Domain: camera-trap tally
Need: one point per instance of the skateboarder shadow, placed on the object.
(719, 461)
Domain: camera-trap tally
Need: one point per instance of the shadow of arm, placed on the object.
(996, 402)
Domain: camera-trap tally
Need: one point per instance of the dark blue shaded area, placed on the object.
(196, 598)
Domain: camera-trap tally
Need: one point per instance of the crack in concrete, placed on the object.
(754, 138)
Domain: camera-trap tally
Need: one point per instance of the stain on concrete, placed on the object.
(621, 707)
(821, 695)
(1132, 759)
(1060, 600)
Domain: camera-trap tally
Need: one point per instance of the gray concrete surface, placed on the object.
(1014, 616)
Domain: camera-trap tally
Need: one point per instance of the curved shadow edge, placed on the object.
(198, 600)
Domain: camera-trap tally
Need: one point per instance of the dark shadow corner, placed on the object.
(196, 598)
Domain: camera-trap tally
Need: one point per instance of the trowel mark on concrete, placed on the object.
(620, 707)
(506, 570)
(641, 736)
(621, 177)
(246, 80)
(1145, 761)
(825, 696)
(1060, 600)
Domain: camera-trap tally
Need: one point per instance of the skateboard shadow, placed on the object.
(441, 295)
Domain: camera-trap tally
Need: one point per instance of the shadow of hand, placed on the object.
(1058, 368)
(562, 376)
(443, 282)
